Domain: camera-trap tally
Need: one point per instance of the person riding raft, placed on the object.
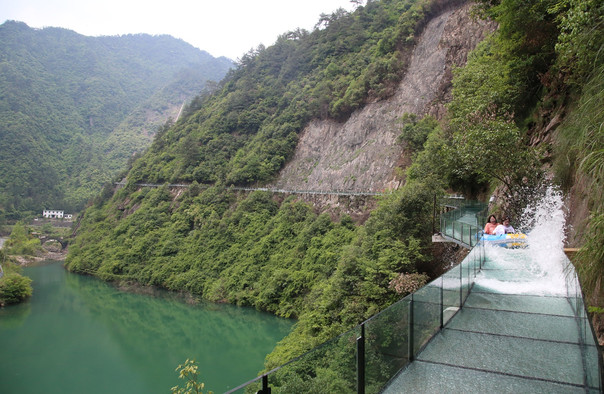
(504, 227)
(492, 223)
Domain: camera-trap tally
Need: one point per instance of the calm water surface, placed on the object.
(80, 335)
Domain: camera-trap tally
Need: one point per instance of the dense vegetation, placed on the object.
(21, 242)
(283, 257)
(278, 256)
(63, 100)
(586, 154)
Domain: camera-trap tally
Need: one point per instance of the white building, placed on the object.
(53, 213)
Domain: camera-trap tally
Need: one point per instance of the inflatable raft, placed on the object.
(507, 240)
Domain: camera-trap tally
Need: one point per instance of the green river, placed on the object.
(78, 334)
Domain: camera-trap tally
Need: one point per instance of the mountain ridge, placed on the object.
(64, 95)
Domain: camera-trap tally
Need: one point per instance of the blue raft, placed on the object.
(506, 240)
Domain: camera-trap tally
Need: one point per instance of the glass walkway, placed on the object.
(507, 319)
(522, 328)
(514, 334)
(462, 221)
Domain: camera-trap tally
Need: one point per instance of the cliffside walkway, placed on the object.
(522, 328)
(503, 321)
(1, 245)
(271, 190)
(462, 222)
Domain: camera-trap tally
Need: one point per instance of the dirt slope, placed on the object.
(361, 154)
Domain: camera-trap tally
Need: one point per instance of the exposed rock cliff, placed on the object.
(361, 154)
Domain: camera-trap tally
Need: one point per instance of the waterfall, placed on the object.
(538, 268)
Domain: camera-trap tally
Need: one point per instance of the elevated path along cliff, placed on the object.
(1, 245)
(504, 320)
(522, 328)
(271, 190)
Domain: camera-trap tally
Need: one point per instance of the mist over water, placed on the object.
(538, 268)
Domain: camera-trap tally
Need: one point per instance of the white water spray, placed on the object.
(539, 268)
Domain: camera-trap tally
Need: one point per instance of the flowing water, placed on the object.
(538, 268)
(81, 335)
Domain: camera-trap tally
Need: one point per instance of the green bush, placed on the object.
(21, 242)
(414, 131)
(14, 288)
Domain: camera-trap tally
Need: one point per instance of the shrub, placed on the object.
(14, 288)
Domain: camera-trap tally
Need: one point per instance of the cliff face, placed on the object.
(361, 154)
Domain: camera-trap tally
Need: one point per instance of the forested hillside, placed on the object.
(511, 105)
(73, 109)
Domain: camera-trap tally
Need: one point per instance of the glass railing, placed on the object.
(462, 220)
(367, 357)
(592, 362)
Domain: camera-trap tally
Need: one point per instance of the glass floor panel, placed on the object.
(549, 305)
(423, 377)
(517, 331)
(534, 326)
(529, 358)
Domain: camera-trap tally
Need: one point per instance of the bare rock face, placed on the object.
(362, 154)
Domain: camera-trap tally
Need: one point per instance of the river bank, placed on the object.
(41, 255)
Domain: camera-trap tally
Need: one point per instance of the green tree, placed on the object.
(14, 288)
(581, 38)
(21, 242)
(189, 373)
(414, 131)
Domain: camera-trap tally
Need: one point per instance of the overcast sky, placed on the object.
(221, 27)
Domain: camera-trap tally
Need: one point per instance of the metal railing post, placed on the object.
(265, 388)
(460, 284)
(411, 323)
(474, 260)
(483, 254)
(361, 361)
(462, 226)
(442, 301)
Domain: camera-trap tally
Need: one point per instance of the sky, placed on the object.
(221, 27)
